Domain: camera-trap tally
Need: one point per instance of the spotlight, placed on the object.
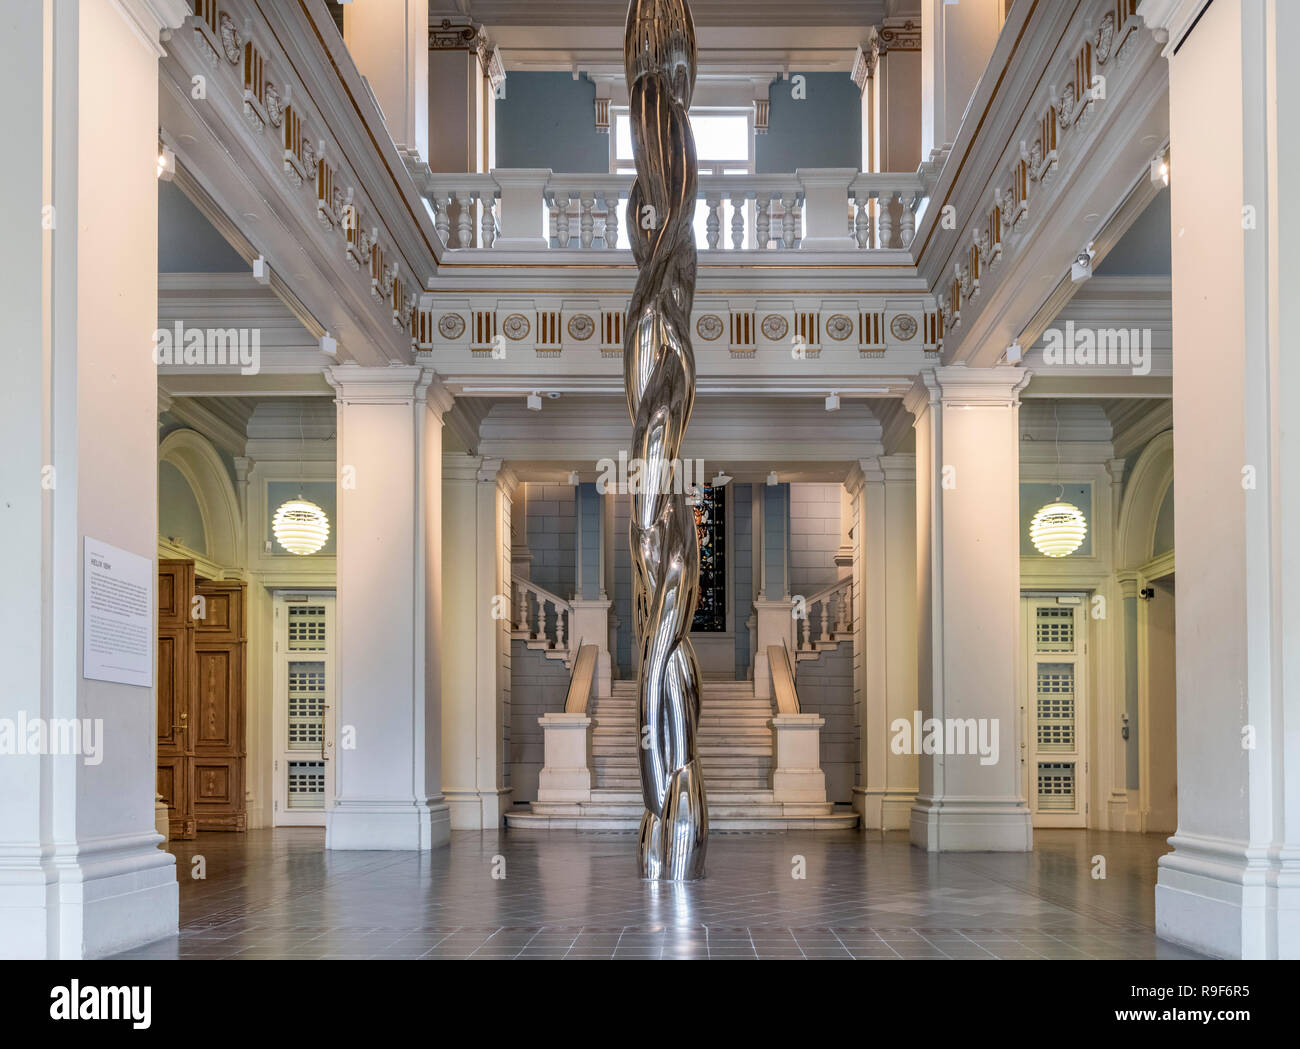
(1014, 353)
(1160, 169)
(832, 402)
(772, 482)
(721, 478)
(166, 164)
(329, 345)
(1081, 268)
(573, 479)
(261, 270)
(534, 402)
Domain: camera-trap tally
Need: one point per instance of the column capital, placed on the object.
(439, 399)
(959, 385)
(1115, 467)
(394, 384)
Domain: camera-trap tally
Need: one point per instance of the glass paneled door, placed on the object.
(303, 771)
(1054, 710)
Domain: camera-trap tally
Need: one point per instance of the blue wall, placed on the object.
(548, 120)
(822, 130)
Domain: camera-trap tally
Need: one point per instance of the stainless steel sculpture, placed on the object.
(659, 375)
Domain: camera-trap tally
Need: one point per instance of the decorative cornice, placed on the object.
(958, 385)
(395, 384)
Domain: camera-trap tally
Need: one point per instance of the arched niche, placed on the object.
(198, 462)
(1148, 485)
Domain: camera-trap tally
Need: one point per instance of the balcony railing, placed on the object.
(826, 209)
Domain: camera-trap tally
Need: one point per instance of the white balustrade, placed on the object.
(828, 616)
(541, 616)
(814, 209)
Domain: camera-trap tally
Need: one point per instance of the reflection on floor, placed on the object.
(575, 894)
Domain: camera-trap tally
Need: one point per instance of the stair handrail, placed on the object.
(787, 698)
(580, 679)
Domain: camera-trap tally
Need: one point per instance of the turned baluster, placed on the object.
(737, 220)
(712, 224)
(907, 224)
(521, 603)
(587, 221)
(465, 220)
(487, 225)
(442, 219)
(787, 220)
(562, 219)
(862, 225)
(762, 220)
(885, 221)
(610, 200)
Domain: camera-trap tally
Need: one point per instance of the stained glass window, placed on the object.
(711, 527)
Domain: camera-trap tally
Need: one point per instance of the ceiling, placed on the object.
(721, 13)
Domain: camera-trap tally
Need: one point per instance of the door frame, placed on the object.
(281, 599)
(1083, 707)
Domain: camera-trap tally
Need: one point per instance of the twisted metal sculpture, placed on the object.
(659, 376)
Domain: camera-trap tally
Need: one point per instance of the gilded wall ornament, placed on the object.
(581, 327)
(774, 327)
(709, 327)
(903, 327)
(516, 326)
(451, 325)
(839, 327)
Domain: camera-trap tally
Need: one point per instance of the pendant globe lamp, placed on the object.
(1059, 528)
(299, 525)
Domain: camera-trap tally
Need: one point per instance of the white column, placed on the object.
(476, 670)
(968, 592)
(389, 42)
(885, 660)
(957, 41)
(80, 872)
(1231, 887)
(386, 784)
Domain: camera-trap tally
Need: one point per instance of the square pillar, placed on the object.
(826, 207)
(81, 874)
(968, 605)
(389, 42)
(387, 785)
(884, 637)
(1231, 886)
(476, 669)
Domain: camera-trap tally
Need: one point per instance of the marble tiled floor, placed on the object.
(574, 894)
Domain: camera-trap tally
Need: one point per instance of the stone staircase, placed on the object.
(736, 749)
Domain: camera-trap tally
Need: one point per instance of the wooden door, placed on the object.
(217, 718)
(201, 700)
(175, 693)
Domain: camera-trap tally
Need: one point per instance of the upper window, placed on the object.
(724, 141)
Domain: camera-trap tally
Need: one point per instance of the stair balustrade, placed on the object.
(828, 617)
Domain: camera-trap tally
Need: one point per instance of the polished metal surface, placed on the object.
(659, 375)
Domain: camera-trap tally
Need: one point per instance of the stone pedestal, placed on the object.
(798, 777)
(566, 775)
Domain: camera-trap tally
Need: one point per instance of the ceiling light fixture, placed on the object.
(772, 482)
(534, 402)
(832, 402)
(721, 478)
(1059, 528)
(299, 525)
